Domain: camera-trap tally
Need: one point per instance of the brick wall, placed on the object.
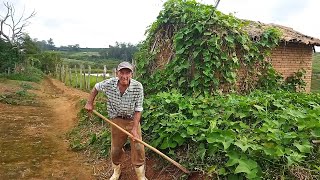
(289, 58)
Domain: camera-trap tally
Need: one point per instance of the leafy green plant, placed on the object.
(295, 82)
(258, 135)
(29, 74)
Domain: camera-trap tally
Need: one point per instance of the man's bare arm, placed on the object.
(92, 96)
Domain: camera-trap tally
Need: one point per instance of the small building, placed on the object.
(293, 53)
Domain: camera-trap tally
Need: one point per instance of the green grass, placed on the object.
(315, 79)
(29, 74)
(73, 83)
(76, 61)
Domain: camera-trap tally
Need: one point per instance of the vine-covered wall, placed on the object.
(199, 50)
(290, 58)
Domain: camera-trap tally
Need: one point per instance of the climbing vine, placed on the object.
(198, 49)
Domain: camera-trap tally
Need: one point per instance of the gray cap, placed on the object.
(126, 65)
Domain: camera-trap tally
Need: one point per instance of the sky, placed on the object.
(100, 23)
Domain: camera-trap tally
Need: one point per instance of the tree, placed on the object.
(51, 45)
(31, 50)
(121, 51)
(8, 55)
(13, 24)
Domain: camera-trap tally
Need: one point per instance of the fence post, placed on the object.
(56, 74)
(62, 74)
(84, 78)
(70, 77)
(114, 72)
(65, 74)
(80, 82)
(8, 70)
(97, 77)
(75, 72)
(89, 73)
(104, 72)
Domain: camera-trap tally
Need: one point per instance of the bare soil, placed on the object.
(33, 144)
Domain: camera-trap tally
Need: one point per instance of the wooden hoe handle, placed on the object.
(145, 144)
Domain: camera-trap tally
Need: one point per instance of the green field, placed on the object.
(315, 80)
(75, 82)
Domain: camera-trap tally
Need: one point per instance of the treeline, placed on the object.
(27, 53)
(123, 51)
(119, 51)
(17, 47)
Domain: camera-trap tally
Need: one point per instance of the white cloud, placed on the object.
(99, 23)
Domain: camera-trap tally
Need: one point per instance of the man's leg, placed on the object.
(138, 156)
(118, 138)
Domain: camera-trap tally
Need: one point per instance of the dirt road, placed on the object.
(33, 141)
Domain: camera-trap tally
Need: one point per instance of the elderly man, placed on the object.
(124, 104)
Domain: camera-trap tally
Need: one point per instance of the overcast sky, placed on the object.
(100, 23)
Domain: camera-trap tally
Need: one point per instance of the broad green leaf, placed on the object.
(202, 151)
(181, 51)
(242, 168)
(304, 148)
(180, 140)
(179, 36)
(242, 146)
(260, 108)
(192, 130)
(212, 137)
(316, 132)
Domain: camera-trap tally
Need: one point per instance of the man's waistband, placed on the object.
(125, 117)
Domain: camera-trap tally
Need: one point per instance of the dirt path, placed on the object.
(32, 138)
(33, 143)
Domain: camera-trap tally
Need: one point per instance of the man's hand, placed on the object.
(89, 106)
(135, 134)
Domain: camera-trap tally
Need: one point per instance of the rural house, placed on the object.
(197, 48)
(293, 53)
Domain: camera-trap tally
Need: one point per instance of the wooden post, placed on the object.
(77, 80)
(60, 73)
(104, 72)
(56, 74)
(70, 77)
(114, 72)
(89, 73)
(8, 70)
(80, 82)
(65, 74)
(84, 79)
(97, 78)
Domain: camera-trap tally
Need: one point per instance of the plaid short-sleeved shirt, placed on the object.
(125, 105)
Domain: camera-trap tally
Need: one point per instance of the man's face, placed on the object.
(124, 76)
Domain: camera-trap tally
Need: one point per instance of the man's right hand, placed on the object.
(89, 106)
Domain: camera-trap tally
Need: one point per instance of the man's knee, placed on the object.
(116, 151)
